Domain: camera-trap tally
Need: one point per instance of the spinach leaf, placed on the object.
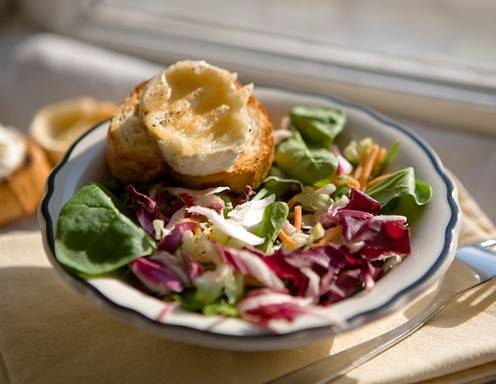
(273, 218)
(318, 126)
(274, 171)
(401, 194)
(94, 237)
(274, 185)
(307, 165)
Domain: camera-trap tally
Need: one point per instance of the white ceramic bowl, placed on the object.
(434, 240)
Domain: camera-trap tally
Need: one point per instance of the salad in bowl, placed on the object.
(298, 225)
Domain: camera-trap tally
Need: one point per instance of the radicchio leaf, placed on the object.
(172, 241)
(352, 221)
(141, 199)
(248, 193)
(144, 208)
(266, 306)
(300, 268)
(248, 262)
(344, 166)
(391, 236)
(360, 201)
(296, 280)
(156, 277)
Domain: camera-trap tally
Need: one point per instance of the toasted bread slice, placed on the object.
(251, 166)
(134, 156)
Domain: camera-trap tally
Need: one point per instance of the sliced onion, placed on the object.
(250, 214)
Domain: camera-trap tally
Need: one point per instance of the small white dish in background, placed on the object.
(434, 240)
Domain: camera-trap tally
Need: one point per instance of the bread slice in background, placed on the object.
(134, 156)
(21, 191)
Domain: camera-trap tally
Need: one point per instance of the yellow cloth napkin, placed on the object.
(49, 334)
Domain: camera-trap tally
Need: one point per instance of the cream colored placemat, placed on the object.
(49, 334)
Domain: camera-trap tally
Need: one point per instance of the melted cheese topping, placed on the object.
(199, 116)
(12, 150)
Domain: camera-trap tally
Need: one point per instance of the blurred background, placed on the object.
(429, 63)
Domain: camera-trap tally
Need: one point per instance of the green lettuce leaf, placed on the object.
(275, 185)
(188, 301)
(228, 205)
(274, 171)
(305, 164)
(274, 216)
(220, 308)
(402, 194)
(318, 126)
(215, 292)
(222, 281)
(312, 201)
(342, 188)
(94, 237)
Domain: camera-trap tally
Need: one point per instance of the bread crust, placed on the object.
(133, 157)
(133, 163)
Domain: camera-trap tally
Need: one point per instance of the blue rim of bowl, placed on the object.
(353, 321)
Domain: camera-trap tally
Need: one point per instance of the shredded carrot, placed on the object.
(358, 172)
(353, 182)
(287, 241)
(332, 234)
(337, 180)
(293, 200)
(363, 157)
(297, 217)
(367, 168)
(380, 156)
(377, 180)
(378, 160)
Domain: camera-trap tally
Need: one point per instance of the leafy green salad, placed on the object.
(326, 223)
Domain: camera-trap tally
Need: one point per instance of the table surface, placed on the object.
(469, 155)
